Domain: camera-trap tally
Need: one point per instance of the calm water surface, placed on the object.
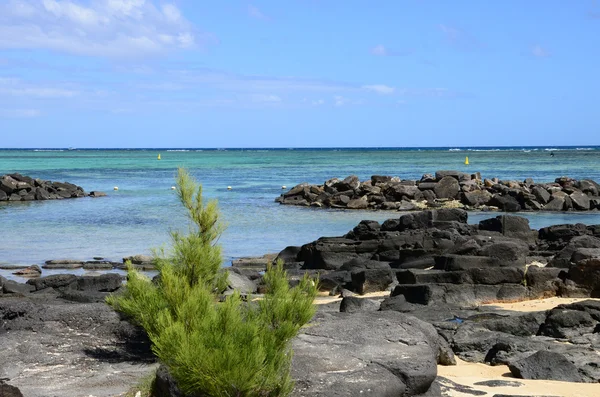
(139, 215)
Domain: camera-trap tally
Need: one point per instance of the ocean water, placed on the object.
(139, 215)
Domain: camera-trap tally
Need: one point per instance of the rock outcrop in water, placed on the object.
(447, 188)
(17, 187)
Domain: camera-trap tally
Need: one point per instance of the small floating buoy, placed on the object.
(173, 188)
(284, 187)
(116, 188)
(228, 187)
(159, 156)
(467, 160)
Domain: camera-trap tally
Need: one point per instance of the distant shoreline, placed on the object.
(357, 148)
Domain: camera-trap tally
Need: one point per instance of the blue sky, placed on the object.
(298, 73)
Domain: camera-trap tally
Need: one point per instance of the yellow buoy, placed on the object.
(159, 156)
(116, 188)
(228, 187)
(173, 188)
(467, 160)
(284, 187)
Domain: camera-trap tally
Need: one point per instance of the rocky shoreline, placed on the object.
(415, 293)
(447, 189)
(17, 187)
(441, 270)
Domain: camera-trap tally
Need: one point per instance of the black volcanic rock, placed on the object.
(457, 188)
(17, 187)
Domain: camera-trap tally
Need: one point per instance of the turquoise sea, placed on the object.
(139, 215)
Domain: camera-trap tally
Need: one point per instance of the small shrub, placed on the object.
(228, 349)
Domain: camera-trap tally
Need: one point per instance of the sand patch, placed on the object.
(325, 299)
(535, 304)
(467, 374)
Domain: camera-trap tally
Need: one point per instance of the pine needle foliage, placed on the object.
(228, 349)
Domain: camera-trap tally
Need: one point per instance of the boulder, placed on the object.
(63, 265)
(13, 287)
(337, 355)
(108, 282)
(54, 281)
(476, 198)
(545, 365)
(288, 254)
(7, 390)
(567, 324)
(366, 230)
(459, 176)
(581, 254)
(562, 232)
(96, 193)
(563, 258)
(505, 203)
(31, 271)
(451, 262)
(508, 253)
(240, 283)
(581, 201)
(370, 280)
(334, 280)
(380, 179)
(350, 183)
(541, 281)
(588, 186)
(351, 304)
(64, 262)
(555, 204)
(586, 273)
(447, 188)
(541, 194)
(510, 226)
(398, 191)
(139, 259)
(8, 184)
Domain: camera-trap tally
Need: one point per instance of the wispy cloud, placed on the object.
(254, 12)
(594, 13)
(16, 87)
(383, 51)
(105, 28)
(19, 113)
(265, 98)
(433, 93)
(379, 88)
(460, 38)
(339, 101)
(539, 52)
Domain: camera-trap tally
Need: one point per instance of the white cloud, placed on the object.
(379, 88)
(339, 100)
(379, 50)
(255, 13)
(15, 87)
(383, 51)
(451, 33)
(106, 28)
(318, 102)
(19, 113)
(539, 52)
(265, 98)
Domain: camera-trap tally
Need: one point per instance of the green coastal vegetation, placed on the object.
(236, 347)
